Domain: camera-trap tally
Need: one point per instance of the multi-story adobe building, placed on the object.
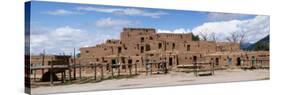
(143, 45)
(140, 46)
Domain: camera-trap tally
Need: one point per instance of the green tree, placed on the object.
(195, 37)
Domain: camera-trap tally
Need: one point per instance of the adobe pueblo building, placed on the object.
(143, 51)
(151, 50)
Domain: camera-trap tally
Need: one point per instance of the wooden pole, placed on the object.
(119, 69)
(74, 61)
(195, 68)
(112, 73)
(80, 71)
(69, 73)
(51, 73)
(34, 74)
(43, 60)
(130, 68)
(213, 67)
(136, 69)
(150, 68)
(62, 77)
(95, 75)
(101, 71)
(146, 68)
(42, 71)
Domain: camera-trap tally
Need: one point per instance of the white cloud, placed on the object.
(180, 30)
(224, 16)
(255, 29)
(109, 22)
(124, 11)
(64, 39)
(61, 12)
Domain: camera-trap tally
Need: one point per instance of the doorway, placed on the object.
(238, 61)
(217, 61)
(170, 61)
(194, 59)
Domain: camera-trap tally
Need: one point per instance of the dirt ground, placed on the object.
(173, 78)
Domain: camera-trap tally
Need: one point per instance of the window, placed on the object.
(142, 39)
(130, 61)
(124, 46)
(150, 38)
(87, 51)
(123, 66)
(147, 47)
(119, 49)
(174, 45)
(159, 45)
(142, 48)
(188, 48)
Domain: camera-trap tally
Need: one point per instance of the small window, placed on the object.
(188, 48)
(147, 47)
(119, 49)
(174, 45)
(150, 38)
(142, 49)
(142, 39)
(87, 51)
(159, 45)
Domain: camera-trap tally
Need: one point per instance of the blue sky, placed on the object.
(60, 27)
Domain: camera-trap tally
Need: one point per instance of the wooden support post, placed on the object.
(261, 64)
(130, 69)
(165, 66)
(136, 71)
(95, 73)
(195, 69)
(43, 60)
(34, 74)
(62, 77)
(80, 71)
(213, 67)
(42, 71)
(119, 69)
(112, 71)
(101, 71)
(51, 74)
(74, 61)
(69, 73)
(151, 68)
(146, 68)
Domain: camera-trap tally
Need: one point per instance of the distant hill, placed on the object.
(245, 46)
(262, 44)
